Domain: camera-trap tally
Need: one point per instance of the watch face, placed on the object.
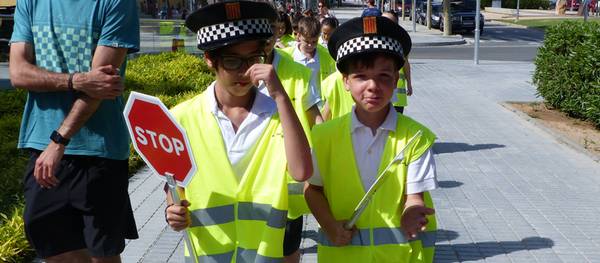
(57, 138)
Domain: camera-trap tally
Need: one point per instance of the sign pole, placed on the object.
(176, 200)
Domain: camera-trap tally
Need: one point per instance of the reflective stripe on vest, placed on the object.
(296, 188)
(242, 255)
(401, 90)
(246, 211)
(382, 236)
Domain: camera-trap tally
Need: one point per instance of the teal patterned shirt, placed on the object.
(65, 34)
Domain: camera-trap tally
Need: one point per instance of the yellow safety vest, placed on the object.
(379, 237)
(234, 220)
(326, 64)
(286, 39)
(337, 97)
(295, 79)
(401, 91)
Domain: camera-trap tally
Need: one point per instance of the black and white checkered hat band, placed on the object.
(359, 44)
(233, 29)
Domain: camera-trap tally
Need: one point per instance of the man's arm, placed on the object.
(101, 82)
(406, 68)
(82, 109)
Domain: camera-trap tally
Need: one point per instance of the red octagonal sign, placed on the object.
(158, 138)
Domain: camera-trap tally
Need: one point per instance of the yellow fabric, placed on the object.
(326, 64)
(401, 86)
(343, 189)
(215, 185)
(336, 96)
(295, 79)
(286, 39)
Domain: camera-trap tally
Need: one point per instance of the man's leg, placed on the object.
(292, 239)
(76, 256)
(108, 218)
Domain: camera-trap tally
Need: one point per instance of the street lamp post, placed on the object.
(412, 13)
(517, 10)
(477, 32)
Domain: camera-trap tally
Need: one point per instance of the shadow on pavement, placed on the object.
(449, 184)
(482, 250)
(451, 147)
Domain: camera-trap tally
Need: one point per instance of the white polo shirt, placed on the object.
(239, 145)
(368, 148)
(312, 97)
(312, 63)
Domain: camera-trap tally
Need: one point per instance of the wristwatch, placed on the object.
(57, 138)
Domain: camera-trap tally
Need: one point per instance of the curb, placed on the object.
(559, 137)
(436, 44)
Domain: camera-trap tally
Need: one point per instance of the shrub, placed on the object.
(13, 245)
(567, 71)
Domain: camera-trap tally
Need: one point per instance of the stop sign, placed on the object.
(158, 138)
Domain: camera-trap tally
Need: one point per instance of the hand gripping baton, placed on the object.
(176, 200)
(362, 205)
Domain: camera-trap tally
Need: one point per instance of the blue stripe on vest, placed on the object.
(385, 236)
(214, 258)
(295, 189)
(361, 238)
(212, 216)
(382, 236)
(251, 255)
(262, 212)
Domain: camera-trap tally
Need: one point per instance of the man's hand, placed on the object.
(266, 73)
(414, 220)
(177, 216)
(338, 235)
(47, 164)
(409, 90)
(102, 82)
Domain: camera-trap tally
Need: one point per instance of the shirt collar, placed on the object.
(389, 124)
(263, 104)
(298, 55)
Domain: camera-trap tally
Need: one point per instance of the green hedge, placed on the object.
(567, 71)
(173, 77)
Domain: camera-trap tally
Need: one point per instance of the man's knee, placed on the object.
(75, 256)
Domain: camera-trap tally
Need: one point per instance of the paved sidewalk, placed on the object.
(509, 192)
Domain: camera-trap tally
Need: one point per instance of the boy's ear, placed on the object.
(346, 81)
(209, 61)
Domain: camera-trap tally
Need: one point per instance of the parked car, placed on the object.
(407, 7)
(462, 16)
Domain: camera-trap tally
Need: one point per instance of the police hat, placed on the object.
(230, 22)
(369, 34)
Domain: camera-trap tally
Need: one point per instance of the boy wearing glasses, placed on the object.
(309, 53)
(243, 142)
(351, 151)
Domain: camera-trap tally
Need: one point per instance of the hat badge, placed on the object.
(369, 25)
(232, 11)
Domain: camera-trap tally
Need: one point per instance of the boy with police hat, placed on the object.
(351, 151)
(243, 142)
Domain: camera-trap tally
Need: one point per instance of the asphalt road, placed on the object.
(498, 42)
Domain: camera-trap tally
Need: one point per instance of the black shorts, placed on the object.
(293, 235)
(88, 209)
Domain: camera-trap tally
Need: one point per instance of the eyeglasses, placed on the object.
(235, 63)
